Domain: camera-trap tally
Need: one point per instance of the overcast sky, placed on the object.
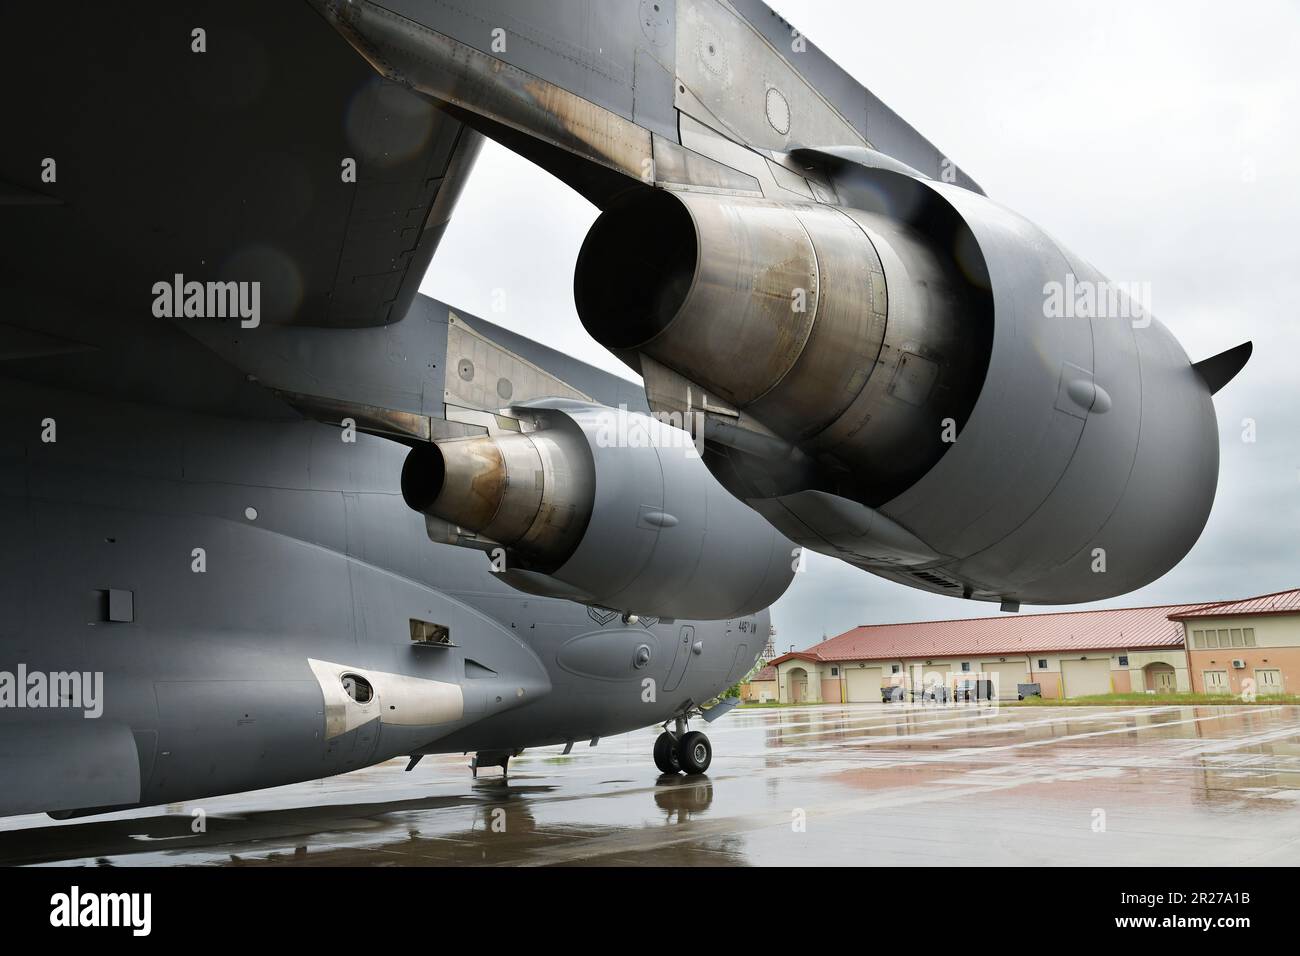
(1160, 141)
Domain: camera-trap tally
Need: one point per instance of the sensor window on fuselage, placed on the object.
(358, 688)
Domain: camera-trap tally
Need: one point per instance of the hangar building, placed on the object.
(1068, 654)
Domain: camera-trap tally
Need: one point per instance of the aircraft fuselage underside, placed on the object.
(211, 583)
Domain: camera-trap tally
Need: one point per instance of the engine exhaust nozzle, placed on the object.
(530, 493)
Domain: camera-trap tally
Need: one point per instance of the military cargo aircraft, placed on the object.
(272, 515)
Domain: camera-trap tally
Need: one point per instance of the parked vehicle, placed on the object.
(975, 689)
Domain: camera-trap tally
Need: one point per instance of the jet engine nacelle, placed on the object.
(907, 381)
(842, 331)
(604, 507)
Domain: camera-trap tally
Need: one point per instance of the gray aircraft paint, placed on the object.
(215, 685)
(1072, 480)
(173, 436)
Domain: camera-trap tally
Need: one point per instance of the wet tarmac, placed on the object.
(855, 784)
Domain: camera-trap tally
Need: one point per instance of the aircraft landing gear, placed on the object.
(681, 751)
(694, 752)
(666, 754)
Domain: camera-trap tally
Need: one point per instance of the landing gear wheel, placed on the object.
(694, 752)
(666, 754)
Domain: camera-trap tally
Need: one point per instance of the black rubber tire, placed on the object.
(666, 754)
(694, 753)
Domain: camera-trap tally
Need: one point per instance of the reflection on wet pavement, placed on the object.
(862, 784)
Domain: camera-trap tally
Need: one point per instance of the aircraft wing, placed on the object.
(155, 151)
(701, 93)
(264, 109)
(438, 373)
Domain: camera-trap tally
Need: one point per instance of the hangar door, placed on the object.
(863, 684)
(1084, 678)
(1005, 677)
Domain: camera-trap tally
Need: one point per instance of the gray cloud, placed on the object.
(1158, 142)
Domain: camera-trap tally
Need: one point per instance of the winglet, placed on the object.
(1218, 370)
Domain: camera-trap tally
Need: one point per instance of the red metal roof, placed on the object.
(1119, 628)
(795, 655)
(1282, 602)
(767, 673)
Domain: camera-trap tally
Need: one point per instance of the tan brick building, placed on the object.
(762, 687)
(1068, 654)
(1257, 639)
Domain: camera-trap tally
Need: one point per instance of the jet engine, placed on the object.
(601, 506)
(839, 330)
(903, 380)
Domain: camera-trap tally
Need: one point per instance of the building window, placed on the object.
(835, 672)
(1123, 660)
(965, 667)
(1042, 663)
(1198, 640)
(894, 668)
(1249, 634)
(1211, 638)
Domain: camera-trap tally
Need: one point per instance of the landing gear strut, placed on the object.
(679, 751)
